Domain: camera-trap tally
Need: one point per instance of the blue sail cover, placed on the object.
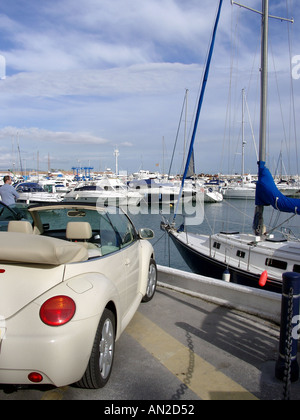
(267, 194)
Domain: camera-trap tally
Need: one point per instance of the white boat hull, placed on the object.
(244, 255)
(239, 193)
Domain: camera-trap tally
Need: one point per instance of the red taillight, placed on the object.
(2, 270)
(57, 310)
(35, 377)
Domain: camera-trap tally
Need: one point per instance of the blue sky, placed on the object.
(83, 77)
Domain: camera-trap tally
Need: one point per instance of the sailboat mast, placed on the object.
(243, 136)
(258, 223)
(264, 81)
(259, 211)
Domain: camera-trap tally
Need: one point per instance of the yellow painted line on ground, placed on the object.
(200, 376)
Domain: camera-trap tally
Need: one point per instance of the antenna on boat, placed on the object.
(117, 154)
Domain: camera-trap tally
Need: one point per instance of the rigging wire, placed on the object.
(178, 130)
(290, 43)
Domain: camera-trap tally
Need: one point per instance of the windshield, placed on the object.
(29, 188)
(111, 231)
(17, 212)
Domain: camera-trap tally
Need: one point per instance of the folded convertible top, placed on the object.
(36, 249)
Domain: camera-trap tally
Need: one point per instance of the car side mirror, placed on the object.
(146, 233)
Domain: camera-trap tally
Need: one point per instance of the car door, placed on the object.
(112, 261)
(130, 253)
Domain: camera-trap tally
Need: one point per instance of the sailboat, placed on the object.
(244, 190)
(257, 259)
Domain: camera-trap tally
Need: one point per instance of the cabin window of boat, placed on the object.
(240, 254)
(296, 268)
(123, 227)
(281, 265)
(49, 188)
(217, 245)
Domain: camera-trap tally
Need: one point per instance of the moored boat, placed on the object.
(252, 259)
(32, 192)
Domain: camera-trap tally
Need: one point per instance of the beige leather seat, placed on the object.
(80, 232)
(20, 226)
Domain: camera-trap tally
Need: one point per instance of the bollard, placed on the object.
(288, 346)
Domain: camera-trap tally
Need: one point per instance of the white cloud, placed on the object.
(85, 76)
(126, 144)
(84, 35)
(143, 79)
(41, 135)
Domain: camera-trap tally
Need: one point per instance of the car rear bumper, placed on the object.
(59, 354)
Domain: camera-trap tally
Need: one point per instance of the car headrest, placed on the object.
(81, 231)
(20, 226)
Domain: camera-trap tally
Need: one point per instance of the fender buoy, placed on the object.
(226, 276)
(263, 279)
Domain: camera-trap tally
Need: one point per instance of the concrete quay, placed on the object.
(258, 302)
(198, 339)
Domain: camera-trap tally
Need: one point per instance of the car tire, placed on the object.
(152, 281)
(101, 360)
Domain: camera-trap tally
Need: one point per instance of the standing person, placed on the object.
(7, 192)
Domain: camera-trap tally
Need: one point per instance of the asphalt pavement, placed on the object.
(180, 349)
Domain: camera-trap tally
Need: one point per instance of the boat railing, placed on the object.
(289, 235)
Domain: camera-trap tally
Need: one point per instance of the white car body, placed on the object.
(35, 266)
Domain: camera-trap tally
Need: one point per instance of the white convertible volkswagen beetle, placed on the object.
(70, 282)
